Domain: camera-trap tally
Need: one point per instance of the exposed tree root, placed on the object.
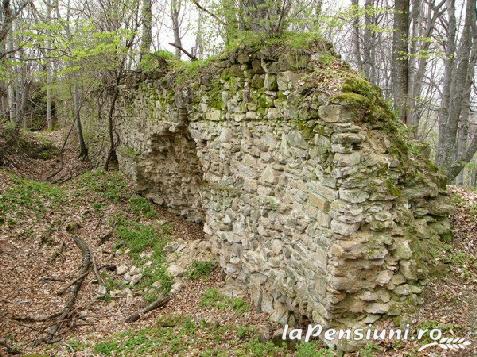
(67, 311)
(35, 319)
(161, 301)
(96, 272)
(62, 150)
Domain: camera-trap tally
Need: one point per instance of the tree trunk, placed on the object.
(112, 159)
(83, 154)
(369, 61)
(198, 49)
(10, 87)
(400, 58)
(49, 119)
(458, 79)
(356, 36)
(175, 11)
(146, 39)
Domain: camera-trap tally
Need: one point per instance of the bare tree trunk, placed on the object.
(83, 154)
(49, 119)
(448, 68)
(175, 11)
(10, 86)
(369, 61)
(112, 159)
(146, 39)
(356, 36)
(459, 74)
(22, 91)
(400, 68)
(198, 49)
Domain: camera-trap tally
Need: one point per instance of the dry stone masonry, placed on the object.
(311, 194)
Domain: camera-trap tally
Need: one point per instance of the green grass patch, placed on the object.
(110, 185)
(200, 269)
(140, 238)
(257, 348)
(312, 349)
(141, 206)
(29, 194)
(213, 298)
(182, 335)
(370, 350)
(465, 263)
(446, 329)
(75, 345)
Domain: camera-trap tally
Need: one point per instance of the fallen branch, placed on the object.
(190, 55)
(79, 278)
(161, 301)
(76, 286)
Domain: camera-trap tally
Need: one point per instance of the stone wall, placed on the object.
(312, 195)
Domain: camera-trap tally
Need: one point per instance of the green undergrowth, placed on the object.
(200, 269)
(141, 206)
(213, 298)
(145, 243)
(29, 196)
(183, 335)
(109, 185)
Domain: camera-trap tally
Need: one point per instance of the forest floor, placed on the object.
(140, 253)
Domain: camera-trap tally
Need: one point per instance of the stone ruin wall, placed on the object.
(308, 204)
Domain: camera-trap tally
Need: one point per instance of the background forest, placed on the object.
(422, 55)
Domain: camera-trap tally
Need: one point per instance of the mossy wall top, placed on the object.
(317, 202)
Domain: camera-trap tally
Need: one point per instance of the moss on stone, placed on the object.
(351, 99)
(214, 94)
(393, 189)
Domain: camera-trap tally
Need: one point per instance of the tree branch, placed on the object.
(208, 12)
(190, 55)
